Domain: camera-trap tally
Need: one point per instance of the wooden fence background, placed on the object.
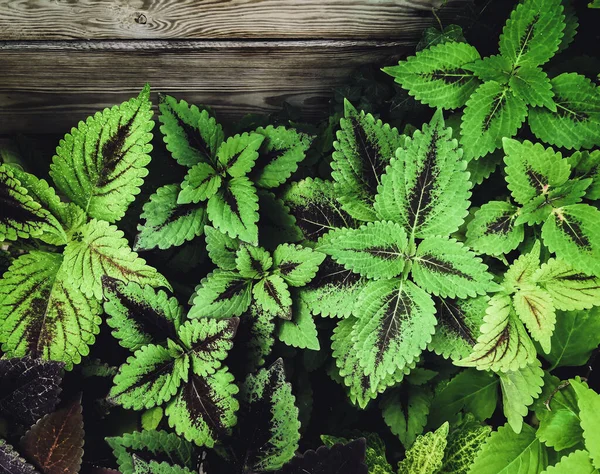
(61, 60)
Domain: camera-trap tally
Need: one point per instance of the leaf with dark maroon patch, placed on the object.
(238, 154)
(426, 188)
(42, 313)
(364, 148)
(279, 155)
(313, 203)
(493, 230)
(101, 164)
(222, 293)
(140, 315)
(166, 223)
(272, 295)
(55, 443)
(338, 459)
(29, 389)
(200, 183)
(191, 134)
(221, 248)
(12, 463)
(297, 265)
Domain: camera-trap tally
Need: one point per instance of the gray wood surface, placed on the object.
(217, 19)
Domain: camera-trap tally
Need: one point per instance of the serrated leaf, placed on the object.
(278, 157)
(395, 323)
(493, 230)
(101, 164)
(406, 414)
(521, 272)
(201, 182)
(55, 443)
(576, 335)
(272, 295)
(234, 210)
(445, 267)
(437, 76)
(492, 68)
(277, 224)
(301, 330)
(534, 306)
(480, 170)
(29, 389)
(503, 344)
(492, 113)
(589, 409)
(578, 461)
(221, 248)
(223, 294)
(42, 314)
(533, 32)
(348, 458)
(168, 224)
(375, 250)
(573, 234)
(153, 467)
(464, 443)
(11, 462)
(432, 36)
(252, 262)
(426, 454)
(458, 326)
(191, 135)
(140, 315)
(151, 445)
(519, 390)
(586, 164)
(151, 418)
(205, 408)
(532, 170)
(253, 341)
(531, 84)
(297, 265)
(237, 155)
(314, 205)
(364, 148)
(426, 188)
(576, 122)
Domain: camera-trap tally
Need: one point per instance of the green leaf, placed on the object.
(297, 265)
(492, 113)
(426, 188)
(201, 182)
(154, 467)
(519, 389)
(458, 326)
(576, 122)
(221, 248)
(222, 294)
(437, 76)
(168, 224)
(589, 408)
(480, 170)
(238, 154)
(493, 230)
(140, 315)
(576, 335)
(464, 443)
(445, 267)
(254, 339)
(521, 272)
(573, 234)
(531, 84)
(532, 170)
(533, 32)
(535, 308)
(42, 314)
(503, 344)
(279, 155)
(191, 135)
(471, 391)
(507, 452)
(252, 262)
(151, 418)
(426, 454)
(375, 250)
(98, 249)
(492, 68)
(22, 215)
(157, 444)
(101, 164)
(571, 25)
(234, 210)
(432, 36)
(364, 148)
(272, 295)
(395, 323)
(301, 330)
(578, 461)
(314, 205)
(587, 165)
(406, 415)
(205, 408)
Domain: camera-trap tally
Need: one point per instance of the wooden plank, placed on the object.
(49, 87)
(218, 19)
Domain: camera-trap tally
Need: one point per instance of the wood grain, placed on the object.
(218, 19)
(49, 87)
